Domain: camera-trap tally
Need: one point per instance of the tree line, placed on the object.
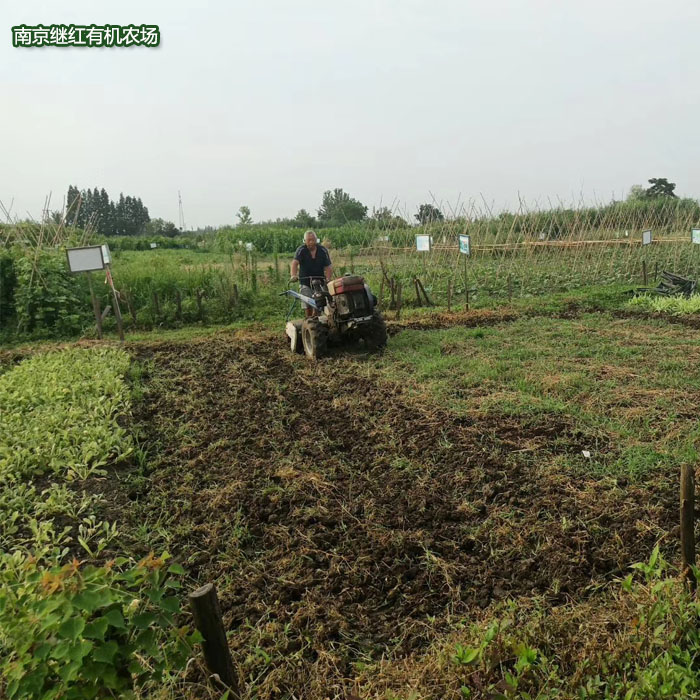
(339, 208)
(129, 217)
(126, 216)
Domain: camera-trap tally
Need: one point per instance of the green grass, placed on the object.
(629, 387)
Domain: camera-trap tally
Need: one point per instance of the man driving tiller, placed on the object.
(311, 260)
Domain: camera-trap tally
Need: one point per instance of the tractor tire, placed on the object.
(375, 335)
(314, 336)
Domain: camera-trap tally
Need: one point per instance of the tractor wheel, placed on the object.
(375, 335)
(314, 335)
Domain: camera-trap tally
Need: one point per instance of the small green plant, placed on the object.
(89, 632)
(61, 415)
(676, 306)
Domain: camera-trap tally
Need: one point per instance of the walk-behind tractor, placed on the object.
(344, 311)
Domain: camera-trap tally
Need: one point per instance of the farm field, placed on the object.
(452, 518)
(236, 275)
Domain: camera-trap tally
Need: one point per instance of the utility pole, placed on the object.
(182, 213)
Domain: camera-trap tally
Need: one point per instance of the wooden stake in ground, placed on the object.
(466, 286)
(419, 300)
(449, 296)
(117, 310)
(132, 310)
(398, 300)
(688, 525)
(156, 305)
(644, 272)
(380, 300)
(178, 305)
(207, 618)
(95, 306)
(425, 294)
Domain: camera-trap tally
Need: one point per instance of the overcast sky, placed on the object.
(270, 102)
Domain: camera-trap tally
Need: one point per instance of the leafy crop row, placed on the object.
(67, 629)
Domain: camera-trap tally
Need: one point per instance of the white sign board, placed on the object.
(383, 239)
(646, 237)
(85, 259)
(106, 255)
(249, 246)
(465, 243)
(423, 243)
(695, 235)
(154, 245)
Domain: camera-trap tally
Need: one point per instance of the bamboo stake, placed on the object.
(398, 300)
(687, 516)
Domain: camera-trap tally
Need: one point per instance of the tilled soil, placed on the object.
(343, 519)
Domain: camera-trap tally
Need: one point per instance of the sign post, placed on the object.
(423, 243)
(465, 249)
(88, 259)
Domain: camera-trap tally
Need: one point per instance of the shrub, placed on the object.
(88, 632)
(47, 298)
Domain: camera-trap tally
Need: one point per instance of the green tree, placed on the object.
(383, 218)
(94, 208)
(73, 204)
(636, 193)
(338, 208)
(244, 217)
(160, 227)
(303, 219)
(428, 213)
(660, 187)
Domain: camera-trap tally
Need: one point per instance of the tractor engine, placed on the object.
(351, 297)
